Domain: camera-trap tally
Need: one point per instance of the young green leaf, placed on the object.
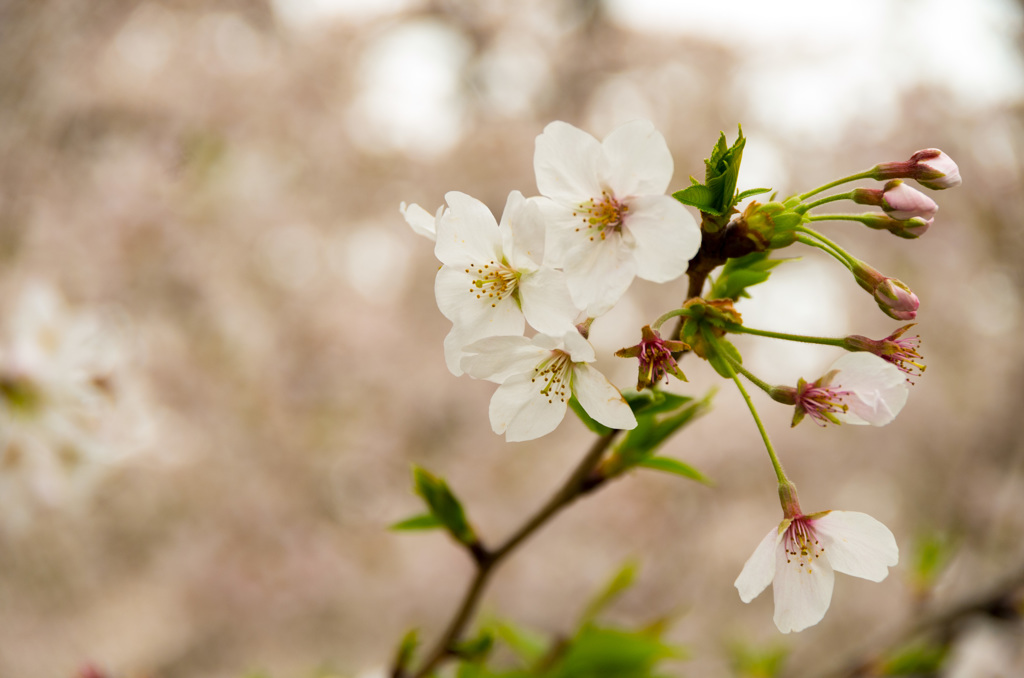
(406, 649)
(719, 363)
(669, 465)
(424, 521)
(443, 505)
(743, 272)
(588, 421)
(615, 587)
(475, 649)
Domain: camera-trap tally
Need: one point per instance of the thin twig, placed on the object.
(575, 486)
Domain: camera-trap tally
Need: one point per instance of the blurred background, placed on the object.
(217, 183)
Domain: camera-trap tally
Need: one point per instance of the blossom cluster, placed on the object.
(601, 220)
(558, 260)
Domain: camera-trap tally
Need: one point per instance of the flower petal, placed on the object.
(600, 399)
(599, 273)
(498, 358)
(523, 232)
(857, 544)
(802, 593)
(639, 162)
(568, 162)
(467, 232)
(546, 302)
(879, 389)
(759, 570)
(420, 220)
(666, 237)
(520, 411)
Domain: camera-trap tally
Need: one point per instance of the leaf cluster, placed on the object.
(717, 195)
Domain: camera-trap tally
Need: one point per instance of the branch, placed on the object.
(576, 485)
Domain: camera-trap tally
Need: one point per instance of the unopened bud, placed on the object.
(892, 296)
(908, 228)
(899, 200)
(930, 167)
(770, 226)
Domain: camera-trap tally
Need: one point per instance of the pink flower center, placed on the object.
(821, 402)
(492, 281)
(802, 544)
(601, 216)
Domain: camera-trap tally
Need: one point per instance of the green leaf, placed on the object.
(669, 465)
(612, 653)
(615, 587)
(750, 192)
(656, 426)
(917, 659)
(757, 662)
(424, 521)
(648, 401)
(529, 646)
(701, 197)
(443, 505)
(475, 649)
(742, 272)
(406, 649)
(719, 363)
(588, 421)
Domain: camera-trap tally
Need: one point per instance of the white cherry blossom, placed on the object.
(800, 556)
(859, 388)
(493, 279)
(537, 377)
(609, 218)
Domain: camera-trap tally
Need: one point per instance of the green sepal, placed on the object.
(670, 465)
(742, 272)
(424, 521)
(443, 505)
(719, 363)
(588, 421)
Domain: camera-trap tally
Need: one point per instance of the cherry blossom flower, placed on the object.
(655, 356)
(896, 349)
(800, 557)
(609, 217)
(538, 377)
(420, 220)
(859, 388)
(492, 280)
(68, 406)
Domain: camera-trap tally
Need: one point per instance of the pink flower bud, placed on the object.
(902, 201)
(909, 228)
(935, 169)
(930, 167)
(892, 296)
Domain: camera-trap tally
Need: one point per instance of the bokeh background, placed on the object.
(222, 177)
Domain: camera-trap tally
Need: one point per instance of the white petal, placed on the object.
(560, 226)
(666, 236)
(600, 399)
(857, 544)
(568, 163)
(523, 232)
(520, 411)
(802, 594)
(472, 318)
(759, 570)
(467, 232)
(578, 348)
(599, 273)
(546, 302)
(498, 358)
(879, 389)
(421, 221)
(639, 162)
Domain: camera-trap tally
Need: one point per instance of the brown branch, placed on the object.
(580, 482)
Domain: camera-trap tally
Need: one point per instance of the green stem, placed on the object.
(836, 217)
(776, 464)
(867, 174)
(825, 341)
(848, 260)
(668, 316)
(738, 367)
(824, 201)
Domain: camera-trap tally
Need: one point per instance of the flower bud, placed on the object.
(892, 296)
(909, 228)
(930, 167)
(771, 225)
(899, 201)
